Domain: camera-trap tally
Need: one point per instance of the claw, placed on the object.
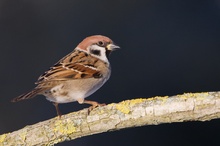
(93, 103)
(95, 106)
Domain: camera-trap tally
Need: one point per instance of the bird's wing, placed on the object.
(76, 65)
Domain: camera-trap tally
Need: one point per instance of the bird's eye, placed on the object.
(100, 43)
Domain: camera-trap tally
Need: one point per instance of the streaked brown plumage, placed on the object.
(77, 75)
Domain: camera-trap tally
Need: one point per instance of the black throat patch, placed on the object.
(107, 52)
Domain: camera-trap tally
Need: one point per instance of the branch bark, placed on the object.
(129, 113)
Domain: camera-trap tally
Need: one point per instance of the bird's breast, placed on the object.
(72, 90)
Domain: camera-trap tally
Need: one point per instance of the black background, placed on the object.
(168, 47)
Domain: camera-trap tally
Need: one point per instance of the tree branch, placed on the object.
(129, 113)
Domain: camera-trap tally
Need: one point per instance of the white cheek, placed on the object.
(102, 55)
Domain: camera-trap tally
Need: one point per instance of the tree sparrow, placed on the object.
(76, 76)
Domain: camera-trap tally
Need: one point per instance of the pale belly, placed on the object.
(74, 90)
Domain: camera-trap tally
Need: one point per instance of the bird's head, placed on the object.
(98, 46)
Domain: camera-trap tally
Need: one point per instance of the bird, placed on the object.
(77, 75)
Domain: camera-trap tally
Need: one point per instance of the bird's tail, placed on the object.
(28, 95)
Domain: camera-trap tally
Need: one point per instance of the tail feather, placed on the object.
(28, 95)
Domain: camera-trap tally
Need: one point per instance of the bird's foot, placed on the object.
(94, 105)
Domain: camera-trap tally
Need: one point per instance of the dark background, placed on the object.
(168, 47)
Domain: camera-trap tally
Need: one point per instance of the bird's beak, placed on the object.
(112, 47)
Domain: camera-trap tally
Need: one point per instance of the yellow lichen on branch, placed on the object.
(115, 116)
(125, 106)
(2, 138)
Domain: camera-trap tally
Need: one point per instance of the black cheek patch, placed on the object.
(95, 52)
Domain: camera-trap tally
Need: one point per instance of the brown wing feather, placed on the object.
(29, 95)
(76, 65)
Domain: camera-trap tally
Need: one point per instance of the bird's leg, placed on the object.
(94, 104)
(57, 109)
